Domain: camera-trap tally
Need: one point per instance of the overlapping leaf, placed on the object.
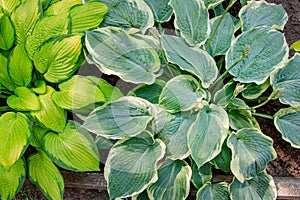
(61, 7)
(201, 175)
(23, 100)
(9, 5)
(213, 191)
(5, 80)
(161, 10)
(7, 33)
(253, 91)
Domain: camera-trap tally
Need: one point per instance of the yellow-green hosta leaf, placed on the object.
(295, 46)
(131, 166)
(57, 59)
(40, 87)
(213, 191)
(161, 10)
(23, 100)
(5, 80)
(37, 133)
(9, 5)
(15, 135)
(251, 152)
(61, 7)
(25, 17)
(7, 33)
(12, 179)
(253, 91)
(20, 66)
(173, 181)
(73, 149)
(44, 174)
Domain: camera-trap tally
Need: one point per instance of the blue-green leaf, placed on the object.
(201, 175)
(253, 91)
(217, 191)
(161, 10)
(223, 159)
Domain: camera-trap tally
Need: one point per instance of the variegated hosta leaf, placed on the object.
(225, 94)
(287, 122)
(37, 133)
(239, 119)
(58, 58)
(128, 14)
(260, 187)
(286, 82)
(131, 166)
(261, 13)
(23, 100)
(25, 17)
(61, 7)
(173, 181)
(7, 33)
(5, 80)
(44, 174)
(14, 137)
(251, 152)
(193, 60)
(126, 117)
(201, 175)
(208, 133)
(87, 16)
(9, 5)
(12, 179)
(50, 116)
(20, 66)
(181, 93)
(116, 52)
(253, 91)
(191, 18)
(255, 54)
(213, 191)
(212, 3)
(223, 159)
(161, 10)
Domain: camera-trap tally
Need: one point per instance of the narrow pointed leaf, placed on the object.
(213, 191)
(253, 91)
(5, 80)
(201, 175)
(7, 33)
(9, 5)
(161, 10)
(61, 7)
(23, 100)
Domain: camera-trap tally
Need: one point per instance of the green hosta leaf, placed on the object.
(37, 136)
(40, 87)
(295, 46)
(251, 152)
(181, 93)
(9, 5)
(225, 94)
(14, 137)
(287, 122)
(208, 133)
(173, 181)
(50, 116)
(161, 10)
(7, 33)
(61, 7)
(57, 59)
(213, 191)
(116, 52)
(212, 3)
(23, 100)
(126, 117)
(131, 166)
(261, 13)
(239, 119)
(165, 120)
(5, 80)
(254, 91)
(223, 159)
(193, 60)
(12, 179)
(201, 175)
(43, 173)
(104, 143)
(191, 18)
(255, 54)
(237, 103)
(141, 196)
(25, 17)
(260, 187)
(87, 16)
(286, 82)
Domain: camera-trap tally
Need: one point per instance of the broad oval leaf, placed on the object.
(201, 175)
(5, 80)
(191, 18)
(116, 52)
(208, 133)
(61, 7)
(255, 54)
(253, 91)
(23, 100)
(239, 119)
(287, 122)
(213, 191)
(161, 10)
(261, 13)
(131, 166)
(193, 60)
(173, 181)
(15, 136)
(7, 33)
(44, 174)
(251, 152)
(9, 5)
(223, 96)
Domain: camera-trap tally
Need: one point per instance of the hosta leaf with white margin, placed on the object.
(192, 20)
(261, 187)
(25, 17)
(50, 115)
(161, 10)
(212, 3)
(253, 91)
(61, 7)
(57, 59)
(223, 96)
(5, 80)
(193, 60)
(295, 46)
(240, 118)
(286, 82)
(128, 14)
(126, 117)
(87, 16)
(201, 175)
(261, 13)
(14, 137)
(44, 174)
(207, 134)
(9, 5)
(20, 66)
(255, 54)
(12, 179)
(223, 159)
(131, 166)
(173, 181)
(287, 122)
(237, 103)
(23, 100)
(223, 36)
(37, 133)
(165, 120)
(117, 52)
(7, 33)
(181, 93)
(251, 152)
(213, 191)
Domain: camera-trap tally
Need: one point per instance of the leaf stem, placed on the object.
(5, 108)
(262, 115)
(265, 102)
(160, 28)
